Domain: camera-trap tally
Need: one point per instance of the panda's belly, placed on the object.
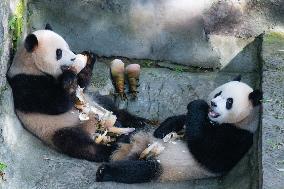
(179, 164)
(43, 125)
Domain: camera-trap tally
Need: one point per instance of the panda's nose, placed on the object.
(72, 59)
(213, 104)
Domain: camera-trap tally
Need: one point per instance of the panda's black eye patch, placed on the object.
(229, 103)
(218, 94)
(58, 54)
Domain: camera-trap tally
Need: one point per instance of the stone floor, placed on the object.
(273, 111)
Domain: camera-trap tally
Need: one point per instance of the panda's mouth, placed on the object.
(213, 114)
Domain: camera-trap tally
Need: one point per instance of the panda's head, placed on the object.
(232, 102)
(50, 53)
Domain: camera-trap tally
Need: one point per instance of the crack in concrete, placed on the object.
(194, 93)
(159, 93)
(149, 96)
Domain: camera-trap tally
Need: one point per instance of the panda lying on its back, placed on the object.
(44, 76)
(217, 136)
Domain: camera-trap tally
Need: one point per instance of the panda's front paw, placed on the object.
(171, 124)
(199, 105)
(91, 57)
(69, 81)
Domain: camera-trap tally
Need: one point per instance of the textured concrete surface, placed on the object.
(206, 33)
(4, 57)
(273, 111)
(4, 41)
(237, 54)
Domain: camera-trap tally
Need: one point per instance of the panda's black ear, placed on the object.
(48, 27)
(255, 97)
(238, 78)
(31, 42)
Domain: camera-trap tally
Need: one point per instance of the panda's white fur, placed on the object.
(44, 125)
(43, 59)
(177, 162)
(241, 108)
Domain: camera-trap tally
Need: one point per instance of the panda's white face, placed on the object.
(52, 53)
(230, 102)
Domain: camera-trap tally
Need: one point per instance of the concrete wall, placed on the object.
(205, 33)
(4, 40)
(4, 52)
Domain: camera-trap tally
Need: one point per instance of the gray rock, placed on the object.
(4, 41)
(4, 50)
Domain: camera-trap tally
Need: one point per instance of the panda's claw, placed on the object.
(104, 173)
(100, 174)
(123, 96)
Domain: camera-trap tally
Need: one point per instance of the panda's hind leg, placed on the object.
(129, 171)
(76, 142)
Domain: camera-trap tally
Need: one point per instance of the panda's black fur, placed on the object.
(42, 94)
(217, 147)
(44, 103)
(213, 149)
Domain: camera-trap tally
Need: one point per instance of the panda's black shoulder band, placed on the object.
(40, 94)
(220, 148)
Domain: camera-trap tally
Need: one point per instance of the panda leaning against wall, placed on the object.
(44, 76)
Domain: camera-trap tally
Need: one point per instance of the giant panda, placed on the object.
(217, 135)
(43, 76)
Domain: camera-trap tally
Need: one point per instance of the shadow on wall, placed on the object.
(248, 59)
